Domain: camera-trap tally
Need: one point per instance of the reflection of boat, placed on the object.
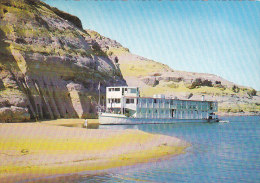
(118, 127)
(224, 121)
(125, 106)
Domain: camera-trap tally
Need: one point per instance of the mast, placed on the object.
(99, 96)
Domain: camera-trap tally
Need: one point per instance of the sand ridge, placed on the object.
(39, 149)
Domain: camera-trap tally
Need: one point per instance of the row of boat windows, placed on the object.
(172, 102)
(118, 100)
(167, 111)
(129, 90)
(179, 105)
(115, 89)
(154, 111)
(114, 100)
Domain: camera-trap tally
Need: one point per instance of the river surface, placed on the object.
(220, 152)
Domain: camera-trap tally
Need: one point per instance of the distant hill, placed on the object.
(157, 78)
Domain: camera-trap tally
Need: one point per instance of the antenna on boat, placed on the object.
(99, 96)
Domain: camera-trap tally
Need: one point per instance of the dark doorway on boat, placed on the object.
(172, 113)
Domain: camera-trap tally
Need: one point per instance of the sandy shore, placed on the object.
(71, 122)
(29, 150)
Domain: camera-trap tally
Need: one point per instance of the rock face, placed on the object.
(49, 67)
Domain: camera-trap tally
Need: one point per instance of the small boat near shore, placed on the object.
(125, 106)
(224, 121)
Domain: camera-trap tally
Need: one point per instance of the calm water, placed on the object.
(220, 152)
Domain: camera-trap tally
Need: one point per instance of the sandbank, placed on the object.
(33, 150)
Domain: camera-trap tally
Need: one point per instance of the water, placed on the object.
(220, 152)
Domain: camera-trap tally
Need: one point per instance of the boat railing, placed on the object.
(155, 105)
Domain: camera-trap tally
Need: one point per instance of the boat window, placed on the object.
(117, 89)
(109, 89)
(125, 89)
(133, 90)
(130, 101)
(109, 101)
(113, 100)
(117, 100)
(154, 100)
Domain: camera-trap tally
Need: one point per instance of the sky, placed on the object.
(217, 37)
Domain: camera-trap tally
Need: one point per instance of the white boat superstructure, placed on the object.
(125, 106)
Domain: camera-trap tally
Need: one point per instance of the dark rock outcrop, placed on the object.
(150, 81)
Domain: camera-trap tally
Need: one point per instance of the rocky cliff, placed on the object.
(157, 78)
(49, 66)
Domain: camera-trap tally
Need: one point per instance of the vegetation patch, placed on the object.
(199, 82)
(239, 107)
(172, 85)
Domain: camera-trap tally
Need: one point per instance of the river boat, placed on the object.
(125, 106)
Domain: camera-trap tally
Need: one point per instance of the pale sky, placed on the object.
(215, 37)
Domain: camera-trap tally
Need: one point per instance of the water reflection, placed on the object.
(147, 127)
(78, 177)
(118, 127)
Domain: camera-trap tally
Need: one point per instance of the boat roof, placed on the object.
(122, 87)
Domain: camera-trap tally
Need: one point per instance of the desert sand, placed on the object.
(33, 150)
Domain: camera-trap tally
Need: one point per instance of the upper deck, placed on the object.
(122, 91)
(134, 92)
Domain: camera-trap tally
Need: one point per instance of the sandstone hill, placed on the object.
(49, 66)
(157, 78)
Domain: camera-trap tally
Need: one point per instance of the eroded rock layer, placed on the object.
(49, 67)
